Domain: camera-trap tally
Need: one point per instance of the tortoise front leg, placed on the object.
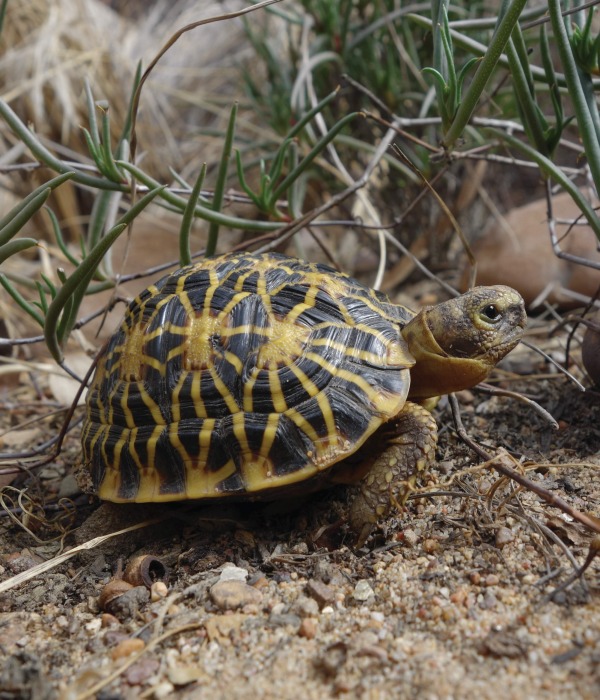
(411, 441)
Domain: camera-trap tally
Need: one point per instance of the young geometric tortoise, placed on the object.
(260, 376)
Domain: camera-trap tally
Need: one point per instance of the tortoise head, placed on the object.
(457, 343)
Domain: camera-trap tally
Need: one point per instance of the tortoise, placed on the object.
(257, 376)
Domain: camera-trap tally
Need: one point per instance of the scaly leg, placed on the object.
(411, 441)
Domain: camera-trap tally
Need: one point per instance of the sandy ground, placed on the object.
(463, 595)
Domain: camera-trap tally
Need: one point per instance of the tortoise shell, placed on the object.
(241, 374)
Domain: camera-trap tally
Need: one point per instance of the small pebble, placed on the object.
(158, 591)
(233, 594)
(308, 628)
(504, 536)
(363, 591)
(492, 580)
(430, 546)
(320, 592)
(183, 675)
(108, 620)
(410, 537)
(126, 648)
(163, 690)
(305, 607)
(141, 671)
(231, 572)
(94, 625)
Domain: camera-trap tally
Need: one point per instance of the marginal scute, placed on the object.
(241, 374)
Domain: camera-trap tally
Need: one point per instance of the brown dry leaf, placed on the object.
(568, 532)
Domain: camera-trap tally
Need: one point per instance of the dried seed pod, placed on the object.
(113, 590)
(145, 570)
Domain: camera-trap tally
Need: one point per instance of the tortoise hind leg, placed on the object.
(411, 441)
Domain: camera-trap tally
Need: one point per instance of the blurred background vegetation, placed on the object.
(381, 137)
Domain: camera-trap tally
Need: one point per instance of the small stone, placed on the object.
(126, 648)
(320, 592)
(94, 625)
(288, 620)
(231, 572)
(183, 675)
(489, 601)
(475, 578)
(108, 620)
(220, 628)
(430, 546)
(410, 537)
(233, 594)
(363, 591)
(504, 536)
(141, 671)
(305, 607)
(163, 690)
(158, 591)
(308, 628)
(492, 580)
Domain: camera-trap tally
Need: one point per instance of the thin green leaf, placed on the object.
(488, 64)
(59, 237)
(83, 273)
(112, 171)
(50, 286)
(11, 223)
(94, 151)
(126, 133)
(534, 127)
(242, 180)
(551, 80)
(94, 132)
(21, 301)
(45, 156)
(179, 203)
(16, 246)
(185, 256)
(580, 91)
(307, 160)
(213, 231)
(42, 304)
(3, 7)
(27, 211)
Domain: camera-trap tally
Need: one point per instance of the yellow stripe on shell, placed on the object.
(276, 391)
(224, 391)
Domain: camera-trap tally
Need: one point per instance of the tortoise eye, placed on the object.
(491, 312)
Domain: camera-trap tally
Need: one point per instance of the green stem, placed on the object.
(587, 119)
(318, 148)
(17, 246)
(483, 73)
(43, 154)
(526, 102)
(79, 279)
(217, 203)
(185, 256)
(202, 212)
